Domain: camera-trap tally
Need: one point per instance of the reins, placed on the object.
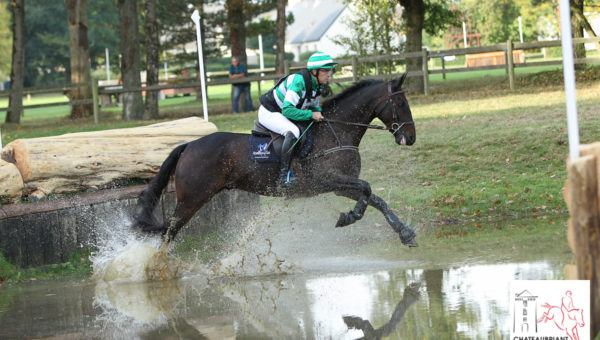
(393, 129)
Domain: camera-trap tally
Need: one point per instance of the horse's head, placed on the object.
(391, 107)
(579, 318)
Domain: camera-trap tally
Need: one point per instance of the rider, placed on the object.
(294, 98)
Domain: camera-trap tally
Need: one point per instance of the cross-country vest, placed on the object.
(268, 99)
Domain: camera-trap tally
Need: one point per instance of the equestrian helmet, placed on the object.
(320, 60)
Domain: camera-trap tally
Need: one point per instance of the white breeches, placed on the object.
(276, 122)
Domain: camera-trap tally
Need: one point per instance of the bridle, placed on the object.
(393, 129)
(387, 101)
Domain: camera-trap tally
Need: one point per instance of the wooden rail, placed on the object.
(352, 63)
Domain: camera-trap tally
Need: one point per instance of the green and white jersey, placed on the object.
(289, 93)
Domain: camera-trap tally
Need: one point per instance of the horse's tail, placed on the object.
(144, 217)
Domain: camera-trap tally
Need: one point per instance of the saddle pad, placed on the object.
(258, 151)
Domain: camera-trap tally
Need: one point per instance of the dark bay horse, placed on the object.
(204, 167)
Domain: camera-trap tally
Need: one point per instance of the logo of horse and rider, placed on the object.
(563, 316)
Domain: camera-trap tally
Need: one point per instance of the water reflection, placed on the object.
(468, 302)
(411, 295)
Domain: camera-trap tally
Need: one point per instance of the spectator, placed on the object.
(238, 70)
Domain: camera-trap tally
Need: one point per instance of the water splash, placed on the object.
(124, 255)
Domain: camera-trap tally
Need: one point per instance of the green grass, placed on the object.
(77, 266)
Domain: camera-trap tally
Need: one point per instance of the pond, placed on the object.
(296, 280)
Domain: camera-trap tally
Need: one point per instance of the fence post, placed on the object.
(94, 84)
(510, 64)
(443, 68)
(425, 72)
(354, 70)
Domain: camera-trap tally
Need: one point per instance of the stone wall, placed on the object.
(49, 232)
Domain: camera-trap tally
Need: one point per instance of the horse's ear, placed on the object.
(397, 83)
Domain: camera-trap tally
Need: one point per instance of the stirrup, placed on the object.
(290, 177)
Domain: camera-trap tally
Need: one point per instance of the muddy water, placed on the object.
(289, 278)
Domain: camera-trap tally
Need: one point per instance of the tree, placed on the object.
(130, 59)
(496, 21)
(15, 100)
(281, 19)
(152, 47)
(176, 25)
(374, 26)
(79, 46)
(433, 16)
(236, 24)
(5, 40)
(577, 26)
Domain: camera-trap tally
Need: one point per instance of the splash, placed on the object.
(123, 255)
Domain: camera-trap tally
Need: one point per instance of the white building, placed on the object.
(316, 23)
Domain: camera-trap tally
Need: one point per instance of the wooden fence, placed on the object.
(350, 75)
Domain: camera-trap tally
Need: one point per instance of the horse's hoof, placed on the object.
(407, 236)
(345, 219)
(411, 244)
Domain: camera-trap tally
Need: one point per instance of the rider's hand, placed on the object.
(317, 116)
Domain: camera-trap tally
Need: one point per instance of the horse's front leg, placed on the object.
(347, 185)
(407, 235)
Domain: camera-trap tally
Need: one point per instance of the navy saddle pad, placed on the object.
(260, 149)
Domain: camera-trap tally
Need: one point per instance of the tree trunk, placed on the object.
(236, 23)
(280, 56)
(15, 101)
(577, 28)
(79, 47)
(586, 25)
(133, 107)
(152, 54)
(414, 16)
(98, 158)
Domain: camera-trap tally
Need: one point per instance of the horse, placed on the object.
(204, 167)
(565, 322)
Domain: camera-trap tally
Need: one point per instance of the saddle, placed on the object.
(264, 145)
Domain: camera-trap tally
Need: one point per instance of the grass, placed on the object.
(78, 266)
(487, 169)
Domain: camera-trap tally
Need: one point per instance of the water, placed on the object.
(284, 277)
(469, 302)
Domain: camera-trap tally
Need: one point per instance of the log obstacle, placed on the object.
(581, 193)
(92, 160)
(49, 231)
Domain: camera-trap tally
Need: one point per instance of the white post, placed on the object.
(260, 49)
(107, 64)
(520, 30)
(196, 19)
(0, 139)
(165, 64)
(569, 76)
(465, 34)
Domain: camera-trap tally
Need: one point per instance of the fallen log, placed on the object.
(11, 182)
(90, 160)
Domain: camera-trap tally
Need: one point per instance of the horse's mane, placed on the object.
(350, 90)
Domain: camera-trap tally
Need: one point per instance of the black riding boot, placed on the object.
(286, 158)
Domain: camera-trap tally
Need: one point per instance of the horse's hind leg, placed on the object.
(182, 214)
(407, 235)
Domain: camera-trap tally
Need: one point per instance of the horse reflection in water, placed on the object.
(206, 166)
(410, 297)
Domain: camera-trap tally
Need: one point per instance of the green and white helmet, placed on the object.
(320, 60)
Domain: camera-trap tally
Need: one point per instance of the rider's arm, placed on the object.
(292, 97)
